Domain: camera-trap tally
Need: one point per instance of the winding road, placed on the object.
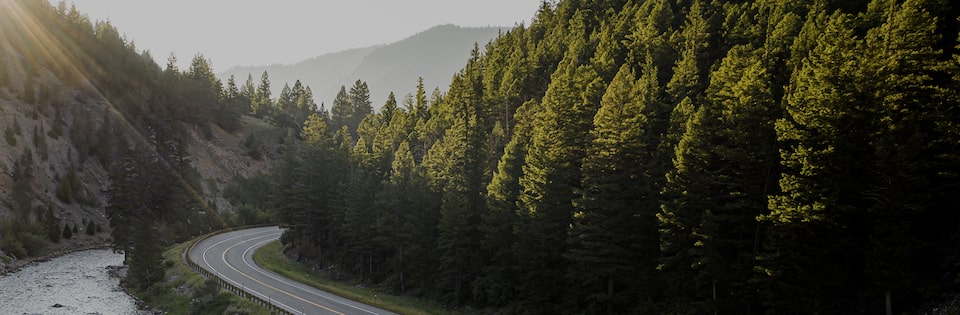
(230, 255)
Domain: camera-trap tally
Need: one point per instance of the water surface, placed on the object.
(78, 282)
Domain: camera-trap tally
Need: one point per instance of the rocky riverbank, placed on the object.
(10, 264)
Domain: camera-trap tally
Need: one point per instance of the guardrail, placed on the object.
(227, 285)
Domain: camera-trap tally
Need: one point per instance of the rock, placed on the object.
(58, 305)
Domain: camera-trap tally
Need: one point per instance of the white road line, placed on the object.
(211, 268)
(257, 269)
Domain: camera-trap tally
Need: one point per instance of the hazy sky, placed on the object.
(233, 33)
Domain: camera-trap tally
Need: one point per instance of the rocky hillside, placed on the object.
(74, 96)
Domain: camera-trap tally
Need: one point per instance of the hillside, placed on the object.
(76, 101)
(434, 54)
(657, 157)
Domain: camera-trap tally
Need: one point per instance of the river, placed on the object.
(77, 283)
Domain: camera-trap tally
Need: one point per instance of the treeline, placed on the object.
(654, 156)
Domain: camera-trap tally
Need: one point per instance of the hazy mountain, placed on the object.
(435, 54)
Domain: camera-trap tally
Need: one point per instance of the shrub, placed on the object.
(13, 246)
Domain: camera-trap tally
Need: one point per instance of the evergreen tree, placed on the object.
(359, 97)
(359, 213)
(233, 104)
(249, 94)
(690, 70)
(404, 222)
(304, 107)
(613, 240)
(552, 177)
(262, 103)
(145, 259)
(724, 163)
(904, 151)
(459, 179)
(821, 136)
(388, 109)
(496, 284)
(342, 111)
(286, 102)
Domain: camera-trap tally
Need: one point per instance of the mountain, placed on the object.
(435, 54)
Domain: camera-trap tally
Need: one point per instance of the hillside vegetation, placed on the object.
(102, 144)
(655, 156)
(619, 157)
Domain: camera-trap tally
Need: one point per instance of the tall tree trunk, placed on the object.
(716, 305)
(610, 288)
(888, 303)
(403, 289)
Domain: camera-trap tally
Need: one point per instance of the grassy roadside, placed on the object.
(174, 295)
(271, 258)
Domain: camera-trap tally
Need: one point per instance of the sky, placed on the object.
(249, 33)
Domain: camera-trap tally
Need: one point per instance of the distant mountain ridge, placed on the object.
(434, 54)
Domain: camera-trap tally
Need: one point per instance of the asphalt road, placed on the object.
(230, 255)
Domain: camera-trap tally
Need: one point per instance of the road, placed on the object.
(230, 255)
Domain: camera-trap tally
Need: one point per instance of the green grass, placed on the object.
(180, 278)
(271, 258)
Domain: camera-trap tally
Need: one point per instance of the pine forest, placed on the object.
(608, 157)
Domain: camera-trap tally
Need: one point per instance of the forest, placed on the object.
(618, 157)
(679, 157)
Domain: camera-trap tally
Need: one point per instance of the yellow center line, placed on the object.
(224, 258)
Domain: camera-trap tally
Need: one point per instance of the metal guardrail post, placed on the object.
(223, 284)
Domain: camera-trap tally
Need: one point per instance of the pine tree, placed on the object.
(690, 70)
(821, 138)
(305, 105)
(262, 103)
(723, 165)
(249, 94)
(342, 111)
(495, 286)
(613, 240)
(359, 96)
(145, 259)
(459, 177)
(281, 117)
(552, 178)
(388, 109)
(359, 213)
(497, 283)
(402, 199)
(904, 64)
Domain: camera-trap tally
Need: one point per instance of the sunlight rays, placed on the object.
(20, 25)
